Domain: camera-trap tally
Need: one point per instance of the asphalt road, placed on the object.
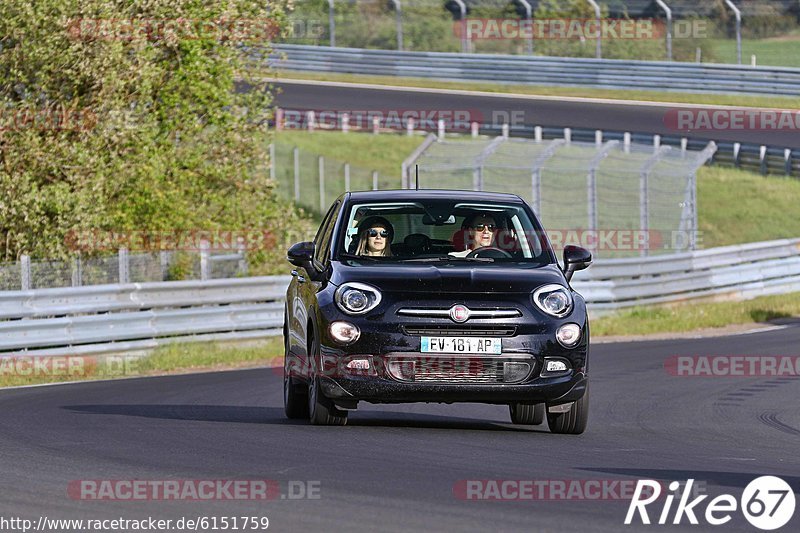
(552, 111)
(394, 468)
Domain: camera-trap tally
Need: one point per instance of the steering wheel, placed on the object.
(489, 251)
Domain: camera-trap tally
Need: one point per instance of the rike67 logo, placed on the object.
(767, 503)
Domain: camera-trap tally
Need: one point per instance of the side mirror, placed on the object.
(301, 254)
(575, 258)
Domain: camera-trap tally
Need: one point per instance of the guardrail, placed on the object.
(763, 159)
(731, 272)
(116, 318)
(140, 316)
(597, 73)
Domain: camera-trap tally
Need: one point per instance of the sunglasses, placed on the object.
(374, 233)
(481, 227)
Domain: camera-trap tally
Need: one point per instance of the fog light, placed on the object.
(358, 364)
(513, 372)
(345, 332)
(569, 335)
(555, 366)
(402, 370)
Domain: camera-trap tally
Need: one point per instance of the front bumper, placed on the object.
(379, 384)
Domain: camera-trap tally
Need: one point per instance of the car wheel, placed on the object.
(574, 421)
(295, 395)
(321, 410)
(527, 413)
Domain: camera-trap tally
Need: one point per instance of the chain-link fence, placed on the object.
(314, 181)
(122, 267)
(681, 30)
(619, 199)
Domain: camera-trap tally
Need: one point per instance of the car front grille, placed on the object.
(460, 331)
(437, 369)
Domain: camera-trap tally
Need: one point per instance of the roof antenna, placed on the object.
(417, 180)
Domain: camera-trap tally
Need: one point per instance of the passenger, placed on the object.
(479, 232)
(375, 237)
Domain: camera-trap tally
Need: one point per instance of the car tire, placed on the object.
(321, 410)
(531, 414)
(574, 421)
(295, 393)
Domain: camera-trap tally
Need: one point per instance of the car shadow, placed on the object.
(425, 421)
(274, 415)
(202, 413)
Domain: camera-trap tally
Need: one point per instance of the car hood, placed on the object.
(450, 277)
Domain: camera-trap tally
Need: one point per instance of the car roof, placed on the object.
(433, 194)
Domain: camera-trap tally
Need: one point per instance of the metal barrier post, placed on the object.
(25, 272)
(536, 173)
(205, 264)
(668, 11)
(242, 249)
(347, 177)
(124, 266)
(399, 13)
(591, 184)
(480, 160)
(163, 257)
(644, 196)
(597, 14)
(529, 18)
(738, 14)
(465, 41)
(77, 272)
(331, 23)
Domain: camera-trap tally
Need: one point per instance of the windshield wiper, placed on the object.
(359, 257)
(449, 258)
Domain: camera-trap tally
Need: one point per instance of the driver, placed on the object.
(480, 231)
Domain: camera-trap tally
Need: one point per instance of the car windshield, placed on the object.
(437, 231)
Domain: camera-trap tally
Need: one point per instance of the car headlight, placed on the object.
(569, 335)
(357, 298)
(555, 300)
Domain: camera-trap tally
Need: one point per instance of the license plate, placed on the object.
(462, 345)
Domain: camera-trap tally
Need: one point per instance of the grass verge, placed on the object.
(781, 51)
(172, 359)
(682, 318)
(772, 102)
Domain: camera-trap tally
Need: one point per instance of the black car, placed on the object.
(435, 296)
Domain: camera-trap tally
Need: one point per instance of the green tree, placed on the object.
(124, 116)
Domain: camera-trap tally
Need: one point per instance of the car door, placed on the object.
(308, 282)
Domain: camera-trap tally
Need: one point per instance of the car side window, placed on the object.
(322, 241)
